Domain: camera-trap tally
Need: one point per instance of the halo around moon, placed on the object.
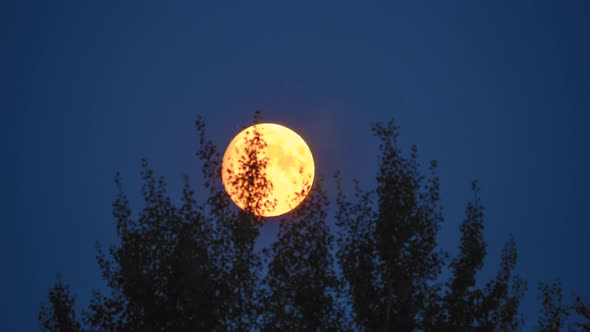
(289, 168)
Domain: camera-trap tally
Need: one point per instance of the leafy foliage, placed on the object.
(160, 275)
(301, 285)
(60, 315)
(583, 311)
(390, 235)
(472, 250)
(499, 301)
(356, 255)
(194, 266)
(554, 313)
(251, 186)
(389, 256)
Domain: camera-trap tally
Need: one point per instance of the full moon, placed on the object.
(289, 168)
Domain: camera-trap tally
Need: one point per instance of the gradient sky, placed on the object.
(495, 91)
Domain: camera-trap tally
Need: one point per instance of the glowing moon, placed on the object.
(289, 167)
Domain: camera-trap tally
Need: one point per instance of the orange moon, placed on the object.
(290, 167)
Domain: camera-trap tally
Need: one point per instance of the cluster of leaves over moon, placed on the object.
(268, 169)
(249, 183)
(374, 266)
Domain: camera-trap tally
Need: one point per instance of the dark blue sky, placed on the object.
(494, 91)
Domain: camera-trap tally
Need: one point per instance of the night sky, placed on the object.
(495, 91)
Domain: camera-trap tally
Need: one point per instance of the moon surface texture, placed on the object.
(289, 168)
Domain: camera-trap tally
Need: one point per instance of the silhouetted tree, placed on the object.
(301, 286)
(456, 310)
(467, 307)
(236, 232)
(388, 243)
(406, 228)
(183, 268)
(554, 312)
(193, 266)
(499, 301)
(59, 315)
(389, 257)
(583, 311)
(160, 276)
(357, 255)
(465, 266)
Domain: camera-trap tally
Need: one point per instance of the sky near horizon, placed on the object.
(494, 91)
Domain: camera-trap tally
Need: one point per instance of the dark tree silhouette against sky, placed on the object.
(493, 91)
(196, 266)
